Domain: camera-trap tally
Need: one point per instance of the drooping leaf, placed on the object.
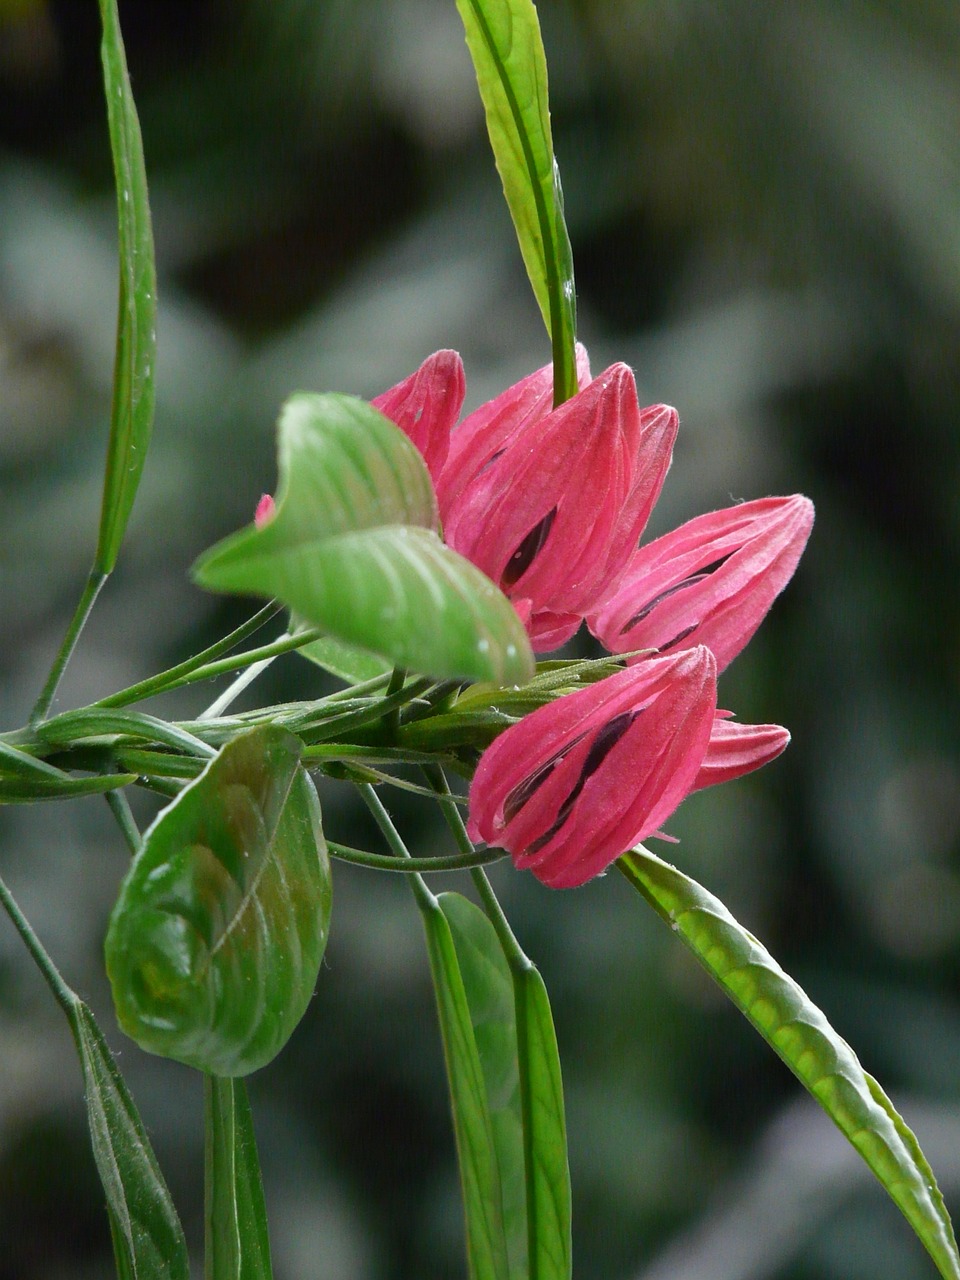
(504, 40)
(148, 1240)
(351, 549)
(216, 939)
(517, 1046)
(237, 1241)
(131, 417)
(487, 1253)
(793, 1026)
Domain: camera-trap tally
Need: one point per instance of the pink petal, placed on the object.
(712, 581)
(735, 749)
(426, 405)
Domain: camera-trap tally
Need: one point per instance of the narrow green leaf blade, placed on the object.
(216, 939)
(487, 1253)
(504, 40)
(820, 1059)
(237, 1239)
(131, 419)
(148, 1240)
(396, 590)
(549, 1197)
(488, 987)
(30, 790)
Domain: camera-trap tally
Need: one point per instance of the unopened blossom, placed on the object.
(426, 405)
(576, 783)
(709, 582)
(266, 509)
(550, 503)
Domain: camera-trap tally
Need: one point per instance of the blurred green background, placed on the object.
(764, 203)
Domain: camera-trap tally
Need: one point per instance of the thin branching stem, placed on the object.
(88, 599)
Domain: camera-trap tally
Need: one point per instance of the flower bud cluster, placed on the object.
(551, 503)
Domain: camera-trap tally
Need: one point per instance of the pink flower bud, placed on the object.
(579, 781)
(426, 406)
(266, 509)
(709, 582)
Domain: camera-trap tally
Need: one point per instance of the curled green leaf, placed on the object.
(216, 939)
(352, 550)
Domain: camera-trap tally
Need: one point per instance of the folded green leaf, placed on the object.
(215, 942)
(487, 1251)
(351, 549)
(237, 1244)
(517, 1048)
(488, 987)
(504, 40)
(397, 591)
(793, 1026)
(131, 419)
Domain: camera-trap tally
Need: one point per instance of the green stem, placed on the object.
(424, 898)
(381, 862)
(391, 721)
(120, 808)
(173, 677)
(237, 686)
(88, 599)
(65, 998)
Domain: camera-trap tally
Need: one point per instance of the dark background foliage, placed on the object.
(764, 202)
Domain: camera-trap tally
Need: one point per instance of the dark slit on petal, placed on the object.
(520, 794)
(603, 744)
(670, 591)
(529, 548)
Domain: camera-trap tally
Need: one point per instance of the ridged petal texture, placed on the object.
(712, 581)
(215, 942)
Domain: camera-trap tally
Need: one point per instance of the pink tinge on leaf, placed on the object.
(550, 503)
(735, 749)
(266, 509)
(426, 405)
(578, 782)
(712, 581)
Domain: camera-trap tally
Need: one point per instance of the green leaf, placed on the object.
(30, 790)
(345, 661)
(488, 987)
(131, 418)
(215, 942)
(237, 1242)
(487, 1253)
(548, 1172)
(351, 549)
(792, 1025)
(398, 591)
(148, 1240)
(504, 40)
(517, 1047)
